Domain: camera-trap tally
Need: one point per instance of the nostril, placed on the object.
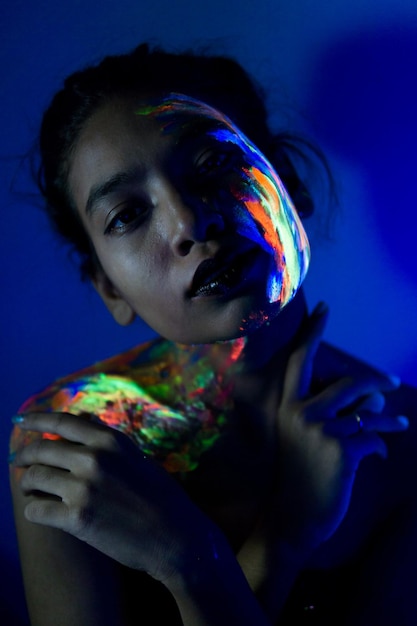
(213, 230)
(196, 227)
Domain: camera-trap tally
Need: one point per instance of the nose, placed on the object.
(188, 220)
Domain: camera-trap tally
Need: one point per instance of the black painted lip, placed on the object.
(224, 269)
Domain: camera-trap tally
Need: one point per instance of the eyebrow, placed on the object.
(114, 183)
(197, 130)
(125, 178)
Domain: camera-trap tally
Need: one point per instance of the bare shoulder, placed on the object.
(141, 363)
(107, 388)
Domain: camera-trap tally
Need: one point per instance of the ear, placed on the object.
(121, 310)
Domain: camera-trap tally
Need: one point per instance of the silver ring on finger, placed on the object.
(359, 422)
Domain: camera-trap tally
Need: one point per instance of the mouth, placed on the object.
(222, 275)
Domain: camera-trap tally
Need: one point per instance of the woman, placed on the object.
(226, 488)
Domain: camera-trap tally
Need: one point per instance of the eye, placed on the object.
(212, 161)
(126, 218)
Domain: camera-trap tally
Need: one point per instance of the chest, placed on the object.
(233, 483)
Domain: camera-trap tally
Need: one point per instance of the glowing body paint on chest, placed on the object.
(171, 403)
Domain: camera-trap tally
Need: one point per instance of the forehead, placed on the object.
(126, 131)
(169, 115)
(175, 110)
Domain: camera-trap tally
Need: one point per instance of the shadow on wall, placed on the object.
(364, 100)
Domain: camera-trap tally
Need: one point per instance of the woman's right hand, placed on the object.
(95, 484)
(322, 438)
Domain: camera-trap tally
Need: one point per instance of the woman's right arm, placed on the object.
(67, 582)
(213, 591)
(89, 505)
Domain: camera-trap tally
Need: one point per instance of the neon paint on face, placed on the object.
(259, 206)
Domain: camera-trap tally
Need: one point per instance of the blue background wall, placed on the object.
(343, 72)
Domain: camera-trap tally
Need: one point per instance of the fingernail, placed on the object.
(18, 419)
(11, 457)
(383, 451)
(396, 380)
(321, 308)
(404, 421)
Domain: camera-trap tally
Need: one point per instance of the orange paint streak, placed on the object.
(258, 211)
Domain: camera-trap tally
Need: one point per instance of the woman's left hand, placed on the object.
(322, 439)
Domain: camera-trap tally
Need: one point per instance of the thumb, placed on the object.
(300, 364)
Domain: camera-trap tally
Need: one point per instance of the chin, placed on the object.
(252, 322)
(259, 319)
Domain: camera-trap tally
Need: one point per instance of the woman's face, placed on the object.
(192, 227)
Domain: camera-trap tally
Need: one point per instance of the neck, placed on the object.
(271, 343)
(247, 373)
(252, 362)
(264, 359)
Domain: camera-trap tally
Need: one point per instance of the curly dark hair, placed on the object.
(217, 80)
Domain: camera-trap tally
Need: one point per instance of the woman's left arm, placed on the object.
(386, 585)
(387, 578)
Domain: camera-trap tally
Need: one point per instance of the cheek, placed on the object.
(124, 274)
(265, 214)
(140, 280)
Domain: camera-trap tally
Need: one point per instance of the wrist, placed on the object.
(210, 588)
(199, 561)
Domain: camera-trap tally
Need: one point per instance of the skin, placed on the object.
(242, 538)
(152, 232)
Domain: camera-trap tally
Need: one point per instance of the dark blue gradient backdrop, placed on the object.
(345, 73)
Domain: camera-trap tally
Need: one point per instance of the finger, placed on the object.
(374, 403)
(49, 512)
(354, 424)
(300, 364)
(347, 395)
(56, 453)
(75, 428)
(362, 445)
(47, 480)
